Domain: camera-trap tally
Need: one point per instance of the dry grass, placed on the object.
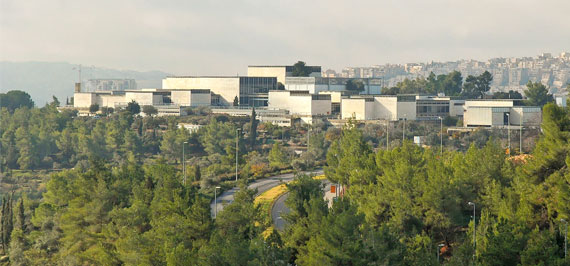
(320, 177)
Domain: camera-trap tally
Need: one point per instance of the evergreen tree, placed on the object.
(253, 130)
(537, 94)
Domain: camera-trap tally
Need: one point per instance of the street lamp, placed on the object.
(520, 137)
(216, 202)
(438, 251)
(474, 230)
(441, 134)
(565, 238)
(237, 152)
(184, 162)
(509, 132)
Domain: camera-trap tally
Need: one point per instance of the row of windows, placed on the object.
(432, 109)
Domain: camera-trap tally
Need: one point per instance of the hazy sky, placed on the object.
(223, 37)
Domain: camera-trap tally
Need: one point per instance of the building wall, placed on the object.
(300, 105)
(321, 107)
(478, 117)
(278, 99)
(83, 99)
(189, 98)
(336, 96)
(456, 107)
(143, 98)
(530, 116)
(279, 72)
(113, 101)
(387, 108)
(200, 99)
(226, 87)
(489, 103)
(407, 110)
(353, 108)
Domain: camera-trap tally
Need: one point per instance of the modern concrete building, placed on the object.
(280, 72)
(317, 84)
(300, 102)
(368, 107)
(336, 98)
(433, 107)
(191, 98)
(250, 91)
(500, 113)
(166, 101)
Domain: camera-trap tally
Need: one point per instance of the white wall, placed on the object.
(488, 103)
(353, 108)
(268, 71)
(478, 117)
(113, 101)
(387, 108)
(83, 99)
(142, 98)
(200, 99)
(321, 107)
(456, 107)
(407, 110)
(226, 87)
(278, 99)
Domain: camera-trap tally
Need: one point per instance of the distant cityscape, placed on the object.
(508, 73)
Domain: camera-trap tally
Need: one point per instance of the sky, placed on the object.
(211, 37)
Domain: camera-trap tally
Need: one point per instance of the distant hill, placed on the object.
(44, 79)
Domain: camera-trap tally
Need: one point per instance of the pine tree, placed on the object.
(253, 130)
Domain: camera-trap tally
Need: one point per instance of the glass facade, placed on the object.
(253, 90)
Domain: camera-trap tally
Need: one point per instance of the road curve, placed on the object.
(261, 185)
(279, 208)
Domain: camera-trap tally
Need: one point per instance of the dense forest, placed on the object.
(115, 193)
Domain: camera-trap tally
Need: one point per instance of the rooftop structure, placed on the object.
(280, 72)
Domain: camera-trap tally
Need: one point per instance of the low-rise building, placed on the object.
(300, 102)
(317, 84)
(379, 107)
(500, 113)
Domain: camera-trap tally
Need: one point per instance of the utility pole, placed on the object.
(474, 231)
(237, 152)
(441, 134)
(520, 137)
(184, 162)
(509, 132)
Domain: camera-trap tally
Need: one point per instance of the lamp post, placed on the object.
(520, 137)
(474, 230)
(565, 238)
(237, 152)
(438, 251)
(216, 202)
(509, 132)
(441, 134)
(184, 162)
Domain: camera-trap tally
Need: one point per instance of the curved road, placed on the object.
(261, 185)
(279, 207)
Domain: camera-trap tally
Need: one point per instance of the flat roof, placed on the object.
(228, 77)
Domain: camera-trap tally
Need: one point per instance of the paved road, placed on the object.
(279, 207)
(261, 185)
